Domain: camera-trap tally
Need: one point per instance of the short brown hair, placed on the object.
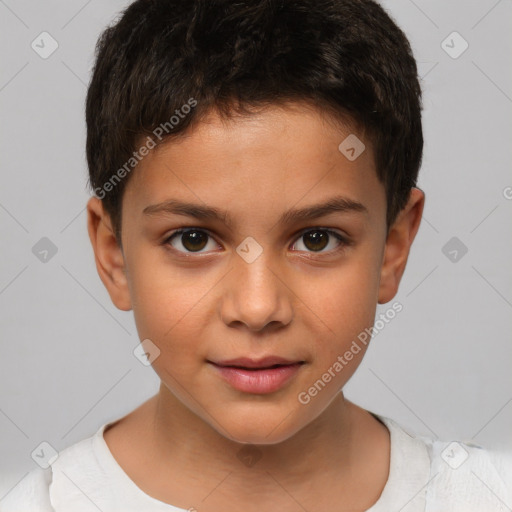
(348, 57)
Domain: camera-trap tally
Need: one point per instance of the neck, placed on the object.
(335, 447)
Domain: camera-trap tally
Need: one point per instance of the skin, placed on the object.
(296, 300)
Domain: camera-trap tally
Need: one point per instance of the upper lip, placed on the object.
(265, 362)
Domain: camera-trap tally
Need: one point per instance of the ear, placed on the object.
(398, 243)
(108, 255)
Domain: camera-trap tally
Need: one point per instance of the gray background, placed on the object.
(441, 367)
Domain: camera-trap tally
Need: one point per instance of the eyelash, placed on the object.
(344, 242)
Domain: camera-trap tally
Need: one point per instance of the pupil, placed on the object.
(194, 240)
(318, 239)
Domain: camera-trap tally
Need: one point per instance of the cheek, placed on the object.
(346, 298)
(343, 305)
(163, 296)
(173, 308)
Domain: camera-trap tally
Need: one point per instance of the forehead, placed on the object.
(279, 156)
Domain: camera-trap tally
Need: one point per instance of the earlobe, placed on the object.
(108, 255)
(398, 243)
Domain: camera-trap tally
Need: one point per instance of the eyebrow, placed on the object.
(338, 204)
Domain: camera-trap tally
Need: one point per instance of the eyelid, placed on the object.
(185, 229)
(332, 231)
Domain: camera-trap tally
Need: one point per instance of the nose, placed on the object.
(256, 295)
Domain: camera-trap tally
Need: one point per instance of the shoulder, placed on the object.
(470, 476)
(41, 490)
(462, 476)
(30, 493)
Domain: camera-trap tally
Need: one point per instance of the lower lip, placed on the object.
(258, 381)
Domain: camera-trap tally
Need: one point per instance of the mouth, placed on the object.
(261, 376)
(257, 364)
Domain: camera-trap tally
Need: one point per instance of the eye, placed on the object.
(317, 239)
(192, 240)
(195, 240)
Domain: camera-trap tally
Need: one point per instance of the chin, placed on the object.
(255, 436)
(260, 428)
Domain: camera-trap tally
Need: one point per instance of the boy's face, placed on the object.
(260, 282)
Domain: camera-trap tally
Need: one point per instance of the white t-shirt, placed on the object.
(424, 476)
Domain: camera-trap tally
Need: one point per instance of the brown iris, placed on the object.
(194, 240)
(315, 240)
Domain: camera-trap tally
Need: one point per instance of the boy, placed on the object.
(254, 167)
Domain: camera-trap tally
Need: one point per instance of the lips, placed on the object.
(261, 376)
(258, 364)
